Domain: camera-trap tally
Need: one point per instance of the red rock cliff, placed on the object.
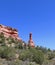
(8, 31)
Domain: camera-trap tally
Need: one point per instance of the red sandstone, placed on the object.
(9, 32)
(30, 42)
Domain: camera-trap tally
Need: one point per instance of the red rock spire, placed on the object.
(30, 36)
(30, 42)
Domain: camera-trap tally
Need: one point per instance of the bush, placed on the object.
(7, 53)
(51, 56)
(43, 49)
(32, 55)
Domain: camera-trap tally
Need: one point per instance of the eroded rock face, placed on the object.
(9, 32)
(30, 42)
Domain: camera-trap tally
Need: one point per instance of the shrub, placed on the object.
(7, 53)
(51, 56)
(32, 55)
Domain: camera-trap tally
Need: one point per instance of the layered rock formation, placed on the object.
(9, 32)
(30, 42)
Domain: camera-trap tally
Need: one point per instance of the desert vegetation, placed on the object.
(13, 52)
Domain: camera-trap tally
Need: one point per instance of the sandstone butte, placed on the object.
(12, 32)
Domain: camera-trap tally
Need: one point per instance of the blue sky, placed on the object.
(36, 16)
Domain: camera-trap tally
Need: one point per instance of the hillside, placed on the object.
(13, 52)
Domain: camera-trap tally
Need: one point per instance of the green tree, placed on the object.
(2, 39)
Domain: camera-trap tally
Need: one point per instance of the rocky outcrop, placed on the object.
(9, 32)
(30, 42)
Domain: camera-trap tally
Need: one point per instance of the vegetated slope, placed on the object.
(14, 52)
